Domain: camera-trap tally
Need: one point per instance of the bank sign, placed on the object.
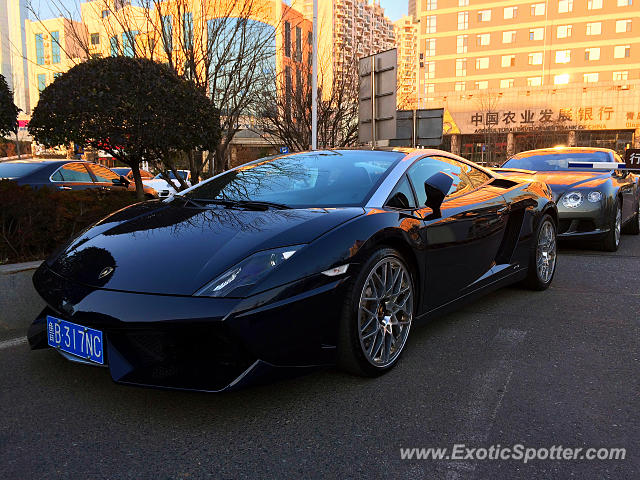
(505, 120)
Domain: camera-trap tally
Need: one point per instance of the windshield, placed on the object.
(18, 170)
(550, 161)
(182, 173)
(317, 179)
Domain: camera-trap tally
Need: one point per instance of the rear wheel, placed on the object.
(611, 240)
(377, 315)
(543, 254)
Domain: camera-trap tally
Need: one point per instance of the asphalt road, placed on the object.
(559, 367)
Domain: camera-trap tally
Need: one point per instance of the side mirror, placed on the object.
(436, 187)
(124, 181)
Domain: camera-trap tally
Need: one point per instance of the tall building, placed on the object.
(13, 63)
(347, 31)
(511, 70)
(406, 33)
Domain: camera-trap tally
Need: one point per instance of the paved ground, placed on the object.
(554, 368)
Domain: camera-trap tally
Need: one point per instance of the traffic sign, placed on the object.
(284, 150)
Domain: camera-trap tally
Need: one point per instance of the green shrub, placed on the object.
(33, 223)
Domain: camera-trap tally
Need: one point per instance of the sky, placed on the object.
(394, 9)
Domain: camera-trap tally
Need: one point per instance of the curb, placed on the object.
(19, 302)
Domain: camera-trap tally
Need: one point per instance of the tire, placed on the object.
(611, 240)
(544, 251)
(377, 315)
(633, 227)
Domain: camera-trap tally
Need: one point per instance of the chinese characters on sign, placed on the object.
(508, 120)
(632, 158)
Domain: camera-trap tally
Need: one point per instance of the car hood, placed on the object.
(175, 250)
(561, 181)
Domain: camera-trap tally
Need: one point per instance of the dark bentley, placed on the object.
(594, 204)
(301, 260)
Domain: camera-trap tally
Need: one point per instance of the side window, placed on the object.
(402, 195)
(103, 174)
(421, 171)
(477, 177)
(72, 172)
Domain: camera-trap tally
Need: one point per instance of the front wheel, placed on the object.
(611, 240)
(377, 315)
(543, 255)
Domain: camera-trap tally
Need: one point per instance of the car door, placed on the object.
(72, 176)
(462, 243)
(104, 178)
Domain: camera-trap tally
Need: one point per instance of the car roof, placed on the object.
(556, 150)
(46, 161)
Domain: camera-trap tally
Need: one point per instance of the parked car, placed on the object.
(127, 172)
(66, 175)
(593, 203)
(309, 259)
(163, 187)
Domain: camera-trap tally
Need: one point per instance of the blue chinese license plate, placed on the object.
(75, 339)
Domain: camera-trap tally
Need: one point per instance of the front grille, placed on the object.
(576, 225)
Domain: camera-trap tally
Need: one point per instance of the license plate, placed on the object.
(75, 339)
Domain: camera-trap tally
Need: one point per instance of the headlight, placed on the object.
(594, 196)
(572, 199)
(239, 279)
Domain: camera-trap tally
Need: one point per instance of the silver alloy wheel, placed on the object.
(546, 251)
(618, 225)
(385, 312)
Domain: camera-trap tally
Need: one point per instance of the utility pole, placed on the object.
(314, 80)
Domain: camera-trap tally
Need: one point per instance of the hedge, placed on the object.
(33, 223)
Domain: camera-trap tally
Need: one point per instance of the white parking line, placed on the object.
(14, 342)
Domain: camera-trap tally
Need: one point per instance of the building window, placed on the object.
(39, 49)
(432, 4)
(506, 83)
(287, 39)
(187, 30)
(483, 39)
(430, 47)
(594, 4)
(537, 9)
(429, 87)
(565, 6)
(563, 56)
(484, 15)
(129, 43)
(594, 28)
(460, 86)
(298, 44)
(42, 82)
(564, 31)
(536, 33)
(622, 51)
(115, 46)
(105, 13)
(55, 47)
(561, 79)
(95, 39)
(534, 81)
(430, 26)
(461, 67)
(625, 3)
(462, 42)
(508, 61)
(57, 75)
(167, 33)
(430, 70)
(510, 13)
(590, 78)
(463, 3)
(620, 76)
(509, 37)
(623, 26)
(592, 53)
(482, 63)
(463, 20)
(535, 58)
(482, 85)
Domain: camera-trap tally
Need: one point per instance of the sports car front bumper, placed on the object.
(196, 343)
